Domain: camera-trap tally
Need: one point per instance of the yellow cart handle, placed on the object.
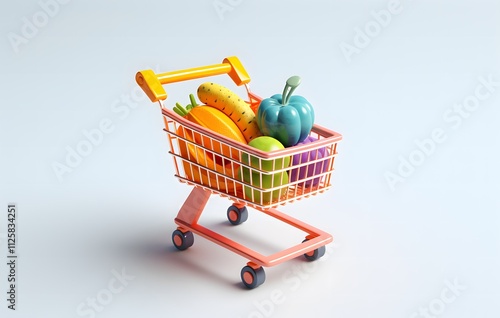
(151, 83)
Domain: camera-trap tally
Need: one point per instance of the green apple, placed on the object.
(266, 143)
(268, 181)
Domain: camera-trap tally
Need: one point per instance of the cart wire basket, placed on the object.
(216, 165)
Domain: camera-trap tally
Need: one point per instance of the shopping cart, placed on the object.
(202, 160)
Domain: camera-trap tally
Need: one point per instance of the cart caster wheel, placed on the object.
(316, 254)
(251, 277)
(237, 216)
(182, 240)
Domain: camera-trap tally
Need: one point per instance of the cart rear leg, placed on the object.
(193, 206)
(189, 213)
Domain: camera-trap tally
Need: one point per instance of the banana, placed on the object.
(232, 105)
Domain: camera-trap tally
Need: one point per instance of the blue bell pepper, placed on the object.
(284, 117)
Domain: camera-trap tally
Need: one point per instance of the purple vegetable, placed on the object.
(310, 170)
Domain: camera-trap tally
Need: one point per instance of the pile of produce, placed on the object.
(282, 121)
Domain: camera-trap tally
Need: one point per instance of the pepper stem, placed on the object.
(291, 84)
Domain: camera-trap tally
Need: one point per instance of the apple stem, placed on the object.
(291, 84)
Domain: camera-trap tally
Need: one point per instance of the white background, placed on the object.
(397, 249)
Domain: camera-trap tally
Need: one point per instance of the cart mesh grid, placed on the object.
(247, 175)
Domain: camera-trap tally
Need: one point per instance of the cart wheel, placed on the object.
(251, 277)
(182, 240)
(237, 216)
(316, 254)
